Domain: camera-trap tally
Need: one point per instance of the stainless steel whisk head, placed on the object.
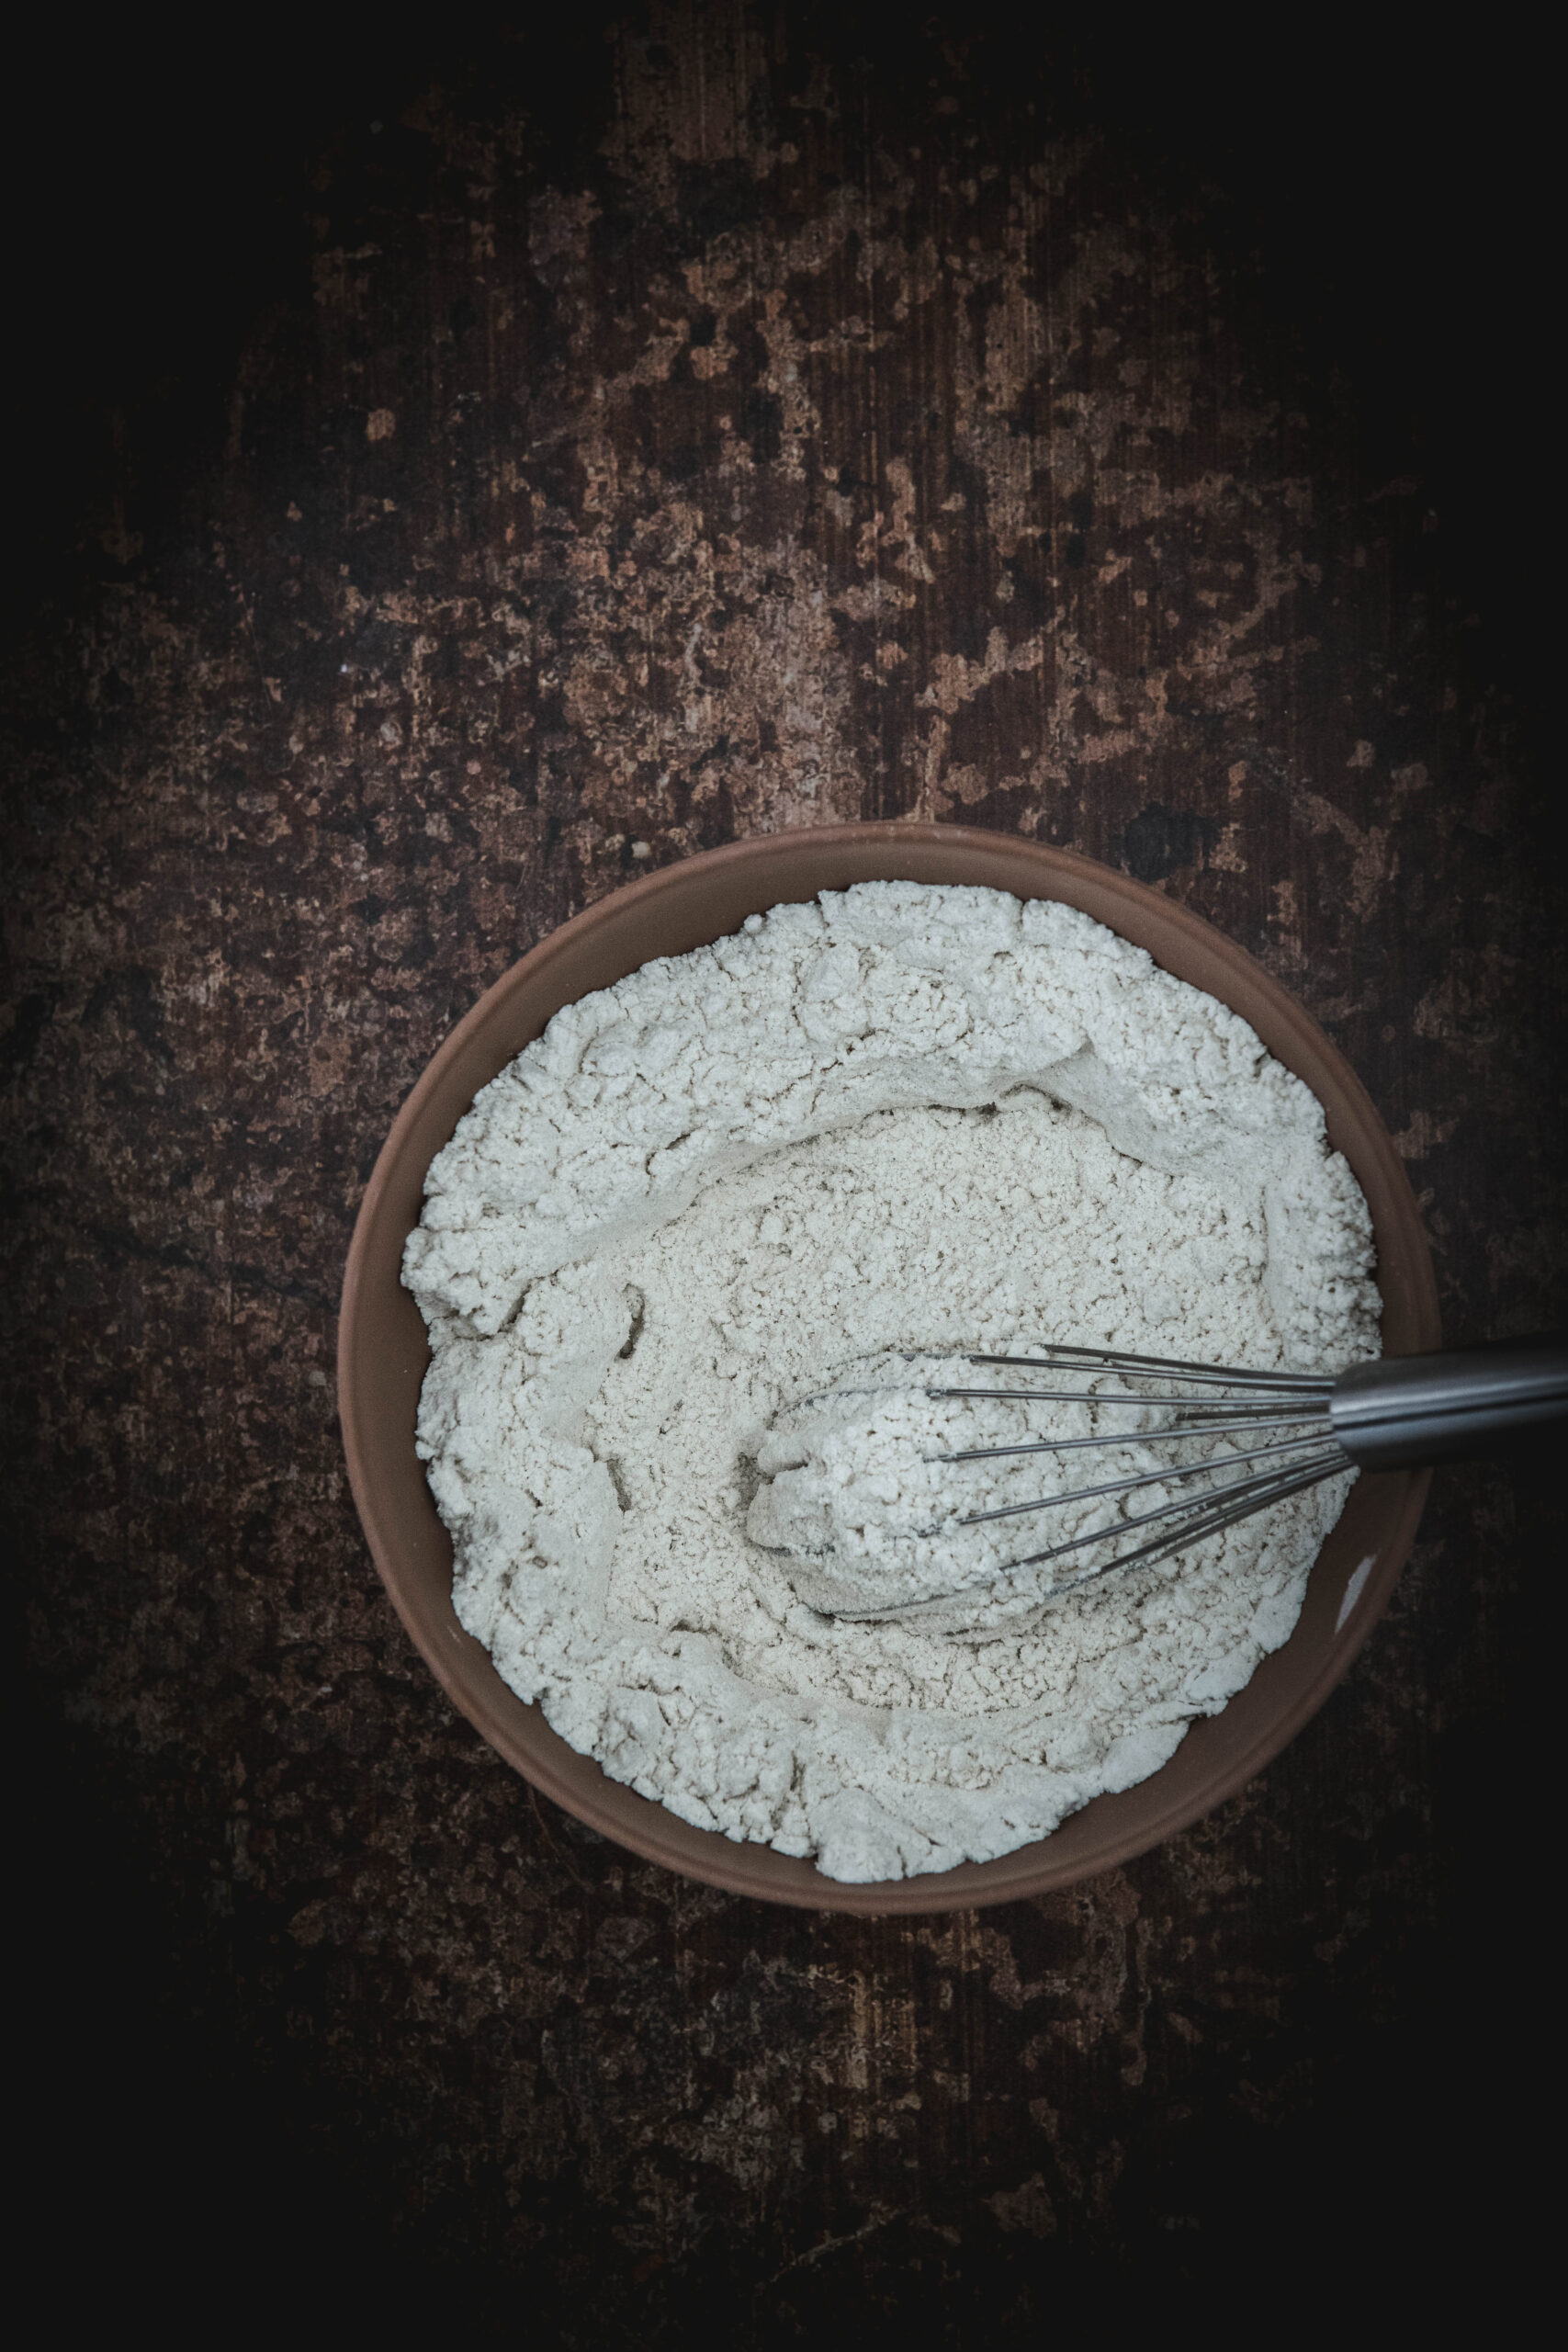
(1252, 1403)
(1395, 1412)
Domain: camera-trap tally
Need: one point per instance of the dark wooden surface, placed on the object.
(578, 453)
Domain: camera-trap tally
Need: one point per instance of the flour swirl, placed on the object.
(903, 1117)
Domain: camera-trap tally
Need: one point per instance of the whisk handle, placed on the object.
(1405, 1412)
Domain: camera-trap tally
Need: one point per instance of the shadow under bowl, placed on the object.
(383, 1351)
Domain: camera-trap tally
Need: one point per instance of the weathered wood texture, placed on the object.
(740, 442)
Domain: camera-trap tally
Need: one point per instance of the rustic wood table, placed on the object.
(711, 423)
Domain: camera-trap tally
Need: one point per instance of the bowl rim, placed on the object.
(374, 1335)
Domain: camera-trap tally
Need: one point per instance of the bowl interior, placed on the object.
(383, 1351)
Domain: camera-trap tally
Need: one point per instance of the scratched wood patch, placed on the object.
(783, 440)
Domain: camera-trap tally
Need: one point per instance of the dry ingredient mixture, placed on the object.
(904, 1117)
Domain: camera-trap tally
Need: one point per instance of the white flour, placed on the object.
(903, 1117)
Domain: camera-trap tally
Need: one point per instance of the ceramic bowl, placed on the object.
(383, 1353)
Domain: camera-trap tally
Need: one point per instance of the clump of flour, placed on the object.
(905, 1118)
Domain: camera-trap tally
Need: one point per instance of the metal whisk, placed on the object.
(1395, 1413)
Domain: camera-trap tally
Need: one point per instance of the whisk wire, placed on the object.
(1210, 1375)
(1257, 1490)
(1160, 1547)
(1249, 1422)
(1097, 1396)
(1162, 1476)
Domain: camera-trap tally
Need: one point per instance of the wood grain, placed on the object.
(754, 430)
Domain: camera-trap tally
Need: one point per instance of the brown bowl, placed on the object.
(383, 1351)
